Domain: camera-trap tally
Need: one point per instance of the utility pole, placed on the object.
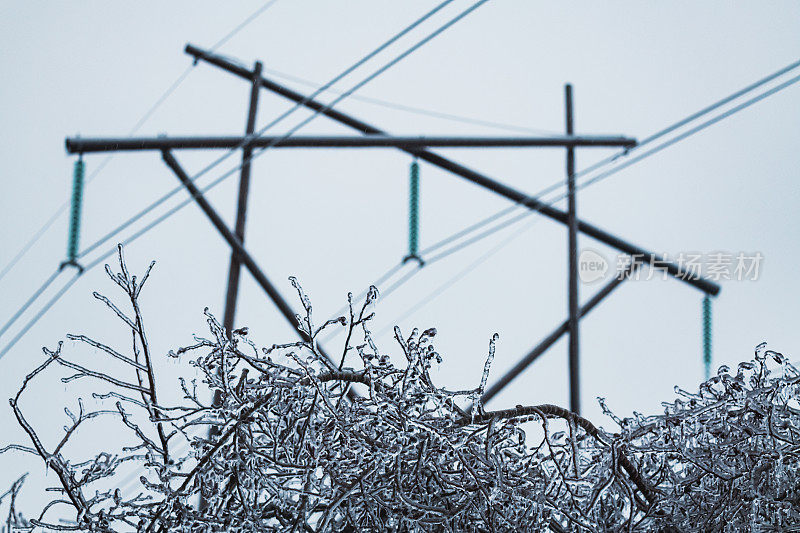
(572, 231)
(235, 269)
(241, 209)
(455, 168)
(419, 147)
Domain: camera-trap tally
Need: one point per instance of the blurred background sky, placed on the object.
(337, 219)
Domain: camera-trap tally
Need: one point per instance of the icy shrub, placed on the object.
(299, 442)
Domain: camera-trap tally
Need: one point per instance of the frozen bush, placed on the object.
(302, 443)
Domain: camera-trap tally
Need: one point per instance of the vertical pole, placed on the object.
(241, 209)
(572, 229)
(241, 215)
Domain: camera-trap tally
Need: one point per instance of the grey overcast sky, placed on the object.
(337, 219)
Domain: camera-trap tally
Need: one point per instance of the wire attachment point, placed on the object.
(71, 263)
(414, 257)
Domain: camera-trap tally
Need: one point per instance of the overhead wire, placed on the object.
(453, 280)
(179, 206)
(440, 289)
(416, 110)
(39, 314)
(425, 253)
(484, 257)
(589, 182)
(225, 175)
(474, 227)
(35, 296)
(625, 163)
(136, 127)
(428, 260)
(558, 184)
(249, 138)
(691, 132)
(694, 116)
(620, 157)
(595, 166)
(242, 25)
(344, 95)
(469, 229)
(61, 209)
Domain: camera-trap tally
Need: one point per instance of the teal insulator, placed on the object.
(707, 335)
(413, 210)
(75, 212)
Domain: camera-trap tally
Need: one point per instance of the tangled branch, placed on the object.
(294, 449)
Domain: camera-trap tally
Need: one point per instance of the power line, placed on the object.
(484, 222)
(28, 325)
(480, 236)
(694, 116)
(692, 131)
(258, 134)
(451, 281)
(346, 94)
(557, 185)
(242, 25)
(428, 261)
(33, 240)
(176, 208)
(35, 296)
(474, 227)
(583, 185)
(469, 229)
(173, 210)
(139, 123)
(40, 314)
(416, 110)
(614, 170)
(455, 279)
(377, 283)
(620, 157)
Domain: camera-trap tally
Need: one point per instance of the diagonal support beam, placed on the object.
(551, 339)
(637, 252)
(237, 248)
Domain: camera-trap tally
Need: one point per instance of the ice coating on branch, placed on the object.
(303, 446)
(488, 364)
